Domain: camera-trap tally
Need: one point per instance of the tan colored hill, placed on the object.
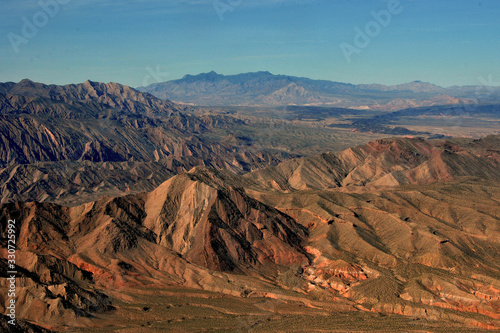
(185, 231)
(292, 92)
(399, 248)
(423, 248)
(386, 162)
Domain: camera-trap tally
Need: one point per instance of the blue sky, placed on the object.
(127, 41)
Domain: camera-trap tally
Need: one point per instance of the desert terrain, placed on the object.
(137, 214)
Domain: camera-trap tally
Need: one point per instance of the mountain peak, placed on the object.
(26, 82)
(27, 87)
(90, 84)
(210, 76)
(419, 86)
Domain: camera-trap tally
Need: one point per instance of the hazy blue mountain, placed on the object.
(266, 89)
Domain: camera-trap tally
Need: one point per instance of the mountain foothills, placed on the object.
(136, 214)
(266, 89)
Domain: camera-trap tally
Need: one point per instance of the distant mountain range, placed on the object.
(266, 89)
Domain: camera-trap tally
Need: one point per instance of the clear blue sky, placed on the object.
(444, 42)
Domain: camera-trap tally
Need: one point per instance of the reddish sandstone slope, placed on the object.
(182, 233)
(386, 162)
(220, 227)
(426, 247)
(413, 250)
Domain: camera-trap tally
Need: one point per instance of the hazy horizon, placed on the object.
(275, 74)
(136, 42)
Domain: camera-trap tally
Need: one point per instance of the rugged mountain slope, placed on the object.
(412, 250)
(423, 245)
(51, 135)
(264, 88)
(220, 227)
(76, 182)
(423, 213)
(387, 162)
(94, 94)
(187, 229)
